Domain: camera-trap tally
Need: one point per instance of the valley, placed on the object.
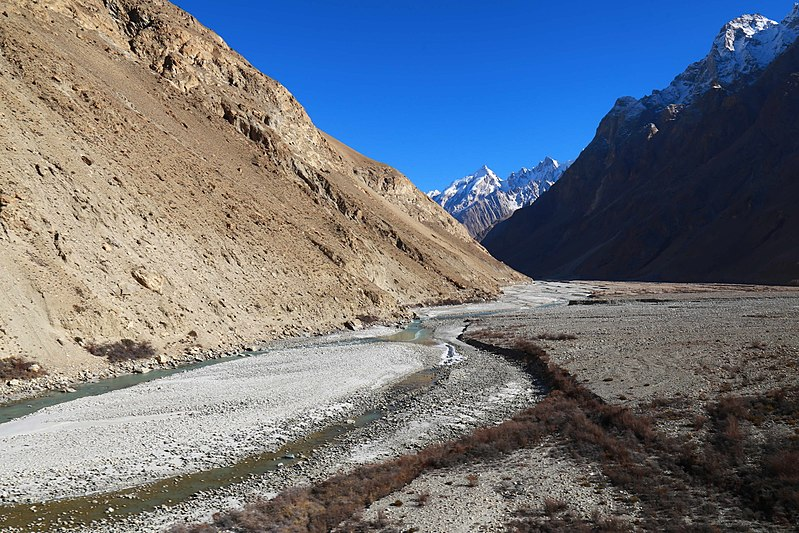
(217, 317)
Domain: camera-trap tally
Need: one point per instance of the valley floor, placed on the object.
(713, 370)
(668, 353)
(83, 460)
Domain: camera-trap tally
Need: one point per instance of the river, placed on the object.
(149, 444)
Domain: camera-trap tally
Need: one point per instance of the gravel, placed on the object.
(216, 415)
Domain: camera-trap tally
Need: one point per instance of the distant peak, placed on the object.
(483, 172)
(744, 27)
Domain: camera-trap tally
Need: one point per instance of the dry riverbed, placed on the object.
(666, 352)
(215, 416)
(715, 369)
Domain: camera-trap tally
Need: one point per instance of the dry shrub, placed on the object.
(16, 368)
(662, 473)
(699, 421)
(784, 466)
(557, 337)
(122, 350)
(531, 349)
(368, 320)
(612, 524)
(553, 506)
(422, 498)
(731, 406)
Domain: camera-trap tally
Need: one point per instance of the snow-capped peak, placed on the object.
(743, 47)
(735, 34)
(493, 198)
(483, 172)
(469, 189)
(547, 171)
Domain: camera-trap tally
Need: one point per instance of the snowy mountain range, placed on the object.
(742, 50)
(483, 199)
(695, 182)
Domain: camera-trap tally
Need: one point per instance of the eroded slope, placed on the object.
(155, 186)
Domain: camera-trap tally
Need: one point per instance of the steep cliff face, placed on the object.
(691, 185)
(155, 186)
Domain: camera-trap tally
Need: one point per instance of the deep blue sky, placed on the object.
(437, 88)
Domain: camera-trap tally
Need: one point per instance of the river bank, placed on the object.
(216, 415)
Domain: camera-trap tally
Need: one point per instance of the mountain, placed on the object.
(155, 186)
(482, 199)
(697, 182)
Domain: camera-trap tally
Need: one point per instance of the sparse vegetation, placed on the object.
(554, 506)
(537, 522)
(668, 477)
(368, 320)
(557, 337)
(122, 350)
(422, 498)
(17, 368)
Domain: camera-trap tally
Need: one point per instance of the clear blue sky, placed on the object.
(437, 88)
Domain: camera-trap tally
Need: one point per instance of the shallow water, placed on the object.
(76, 512)
(415, 332)
(18, 409)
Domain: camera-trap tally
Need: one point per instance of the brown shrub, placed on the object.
(422, 498)
(556, 336)
(368, 319)
(530, 348)
(122, 350)
(16, 368)
(734, 406)
(553, 506)
(661, 472)
(784, 465)
(699, 421)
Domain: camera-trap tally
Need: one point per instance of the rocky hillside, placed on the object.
(154, 186)
(481, 200)
(697, 182)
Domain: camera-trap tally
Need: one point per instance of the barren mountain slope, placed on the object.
(700, 189)
(155, 186)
